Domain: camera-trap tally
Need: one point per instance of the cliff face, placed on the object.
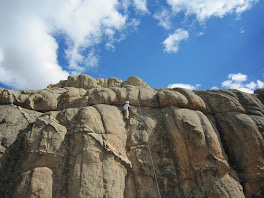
(74, 142)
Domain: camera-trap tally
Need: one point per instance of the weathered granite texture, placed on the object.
(71, 140)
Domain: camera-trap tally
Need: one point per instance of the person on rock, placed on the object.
(126, 110)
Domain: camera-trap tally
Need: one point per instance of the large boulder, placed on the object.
(135, 81)
(81, 81)
(13, 121)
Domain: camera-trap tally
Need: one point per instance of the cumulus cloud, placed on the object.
(29, 58)
(238, 77)
(28, 55)
(186, 86)
(239, 81)
(171, 43)
(164, 17)
(85, 23)
(204, 9)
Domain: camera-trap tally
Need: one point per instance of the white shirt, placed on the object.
(126, 106)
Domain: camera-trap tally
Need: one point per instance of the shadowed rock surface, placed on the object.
(71, 140)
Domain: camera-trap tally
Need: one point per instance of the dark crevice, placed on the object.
(66, 170)
(4, 142)
(62, 171)
(175, 160)
(158, 99)
(11, 164)
(64, 190)
(139, 93)
(236, 171)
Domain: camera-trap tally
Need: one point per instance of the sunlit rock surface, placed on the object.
(71, 140)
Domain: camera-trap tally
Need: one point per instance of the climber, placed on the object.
(125, 110)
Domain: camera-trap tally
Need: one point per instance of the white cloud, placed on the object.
(204, 9)
(227, 83)
(134, 23)
(238, 77)
(247, 90)
(29, 54)
(125, 4)
(6, 77)
(251, 85)
(91, 60)
(260, 84)
(186, 86)
(164, 18)
(1, 55)
(171, 43)
(214, 88)
(238, 81)
(85, 22)
(29, 49)
(141, 5)
(110, 33)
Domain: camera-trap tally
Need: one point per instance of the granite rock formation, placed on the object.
(71, 140)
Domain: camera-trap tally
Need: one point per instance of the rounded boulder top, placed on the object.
(87, 82)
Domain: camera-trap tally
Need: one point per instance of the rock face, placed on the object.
(71, 140)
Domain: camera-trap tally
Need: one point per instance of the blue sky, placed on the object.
(197, 44)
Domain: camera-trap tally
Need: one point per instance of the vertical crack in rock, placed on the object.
(231, 159)
(62, 171)
(168, 113)
(82, 161)
(104, 126)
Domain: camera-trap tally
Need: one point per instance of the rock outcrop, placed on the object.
(88, 82)
(71, 140)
